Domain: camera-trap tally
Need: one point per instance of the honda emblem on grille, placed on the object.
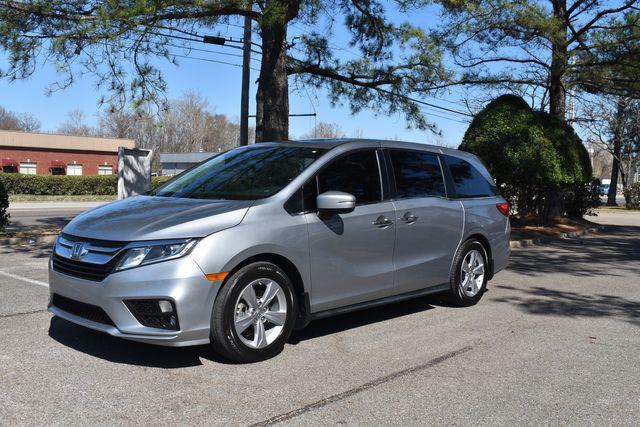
(78, 251)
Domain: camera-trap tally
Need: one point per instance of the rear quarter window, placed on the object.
(417, 174)
(468, 181)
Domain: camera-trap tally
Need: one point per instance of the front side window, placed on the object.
(245, 173)
(417, 174)
(356, 173)
(468, 181)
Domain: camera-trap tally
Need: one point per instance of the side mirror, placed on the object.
(334, 202)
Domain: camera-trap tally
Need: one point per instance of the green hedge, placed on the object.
(157, 181)
(64, 185)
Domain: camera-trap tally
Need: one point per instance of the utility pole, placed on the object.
(246, 75)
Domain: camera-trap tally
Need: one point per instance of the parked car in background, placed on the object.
(244, 247)
(604, 189)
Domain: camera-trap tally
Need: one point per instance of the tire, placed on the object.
(244, 329)
(466, 290)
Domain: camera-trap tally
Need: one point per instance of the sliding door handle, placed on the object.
(409, 218)
(382, 222)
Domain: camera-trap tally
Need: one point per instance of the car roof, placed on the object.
(330, 143)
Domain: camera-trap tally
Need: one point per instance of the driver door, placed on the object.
(351, 254)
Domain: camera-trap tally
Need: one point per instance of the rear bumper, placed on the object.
(180, 280)
(501, 250)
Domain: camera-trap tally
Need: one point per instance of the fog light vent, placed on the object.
(154, 313)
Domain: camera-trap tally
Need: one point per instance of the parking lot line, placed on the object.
(24, 279)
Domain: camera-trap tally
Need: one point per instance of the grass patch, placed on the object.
(17, 198)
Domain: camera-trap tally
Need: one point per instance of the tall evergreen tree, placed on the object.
(535, 44)
(110, 37)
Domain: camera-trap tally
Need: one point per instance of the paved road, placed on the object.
(555, 340)
(25, 216)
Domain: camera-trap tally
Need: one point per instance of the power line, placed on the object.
(446, 118)
(237, 55)
(191, 39)
(209, 60)
(418, 101)
(170, 53)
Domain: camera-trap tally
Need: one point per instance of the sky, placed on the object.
(220, 84)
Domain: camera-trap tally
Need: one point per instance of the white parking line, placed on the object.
(24, 279)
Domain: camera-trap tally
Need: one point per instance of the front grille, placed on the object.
(108, 250)
(83, 270)
(81, 309)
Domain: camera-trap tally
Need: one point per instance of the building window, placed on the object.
(55, 170)
(105, 170)
(74, 169)
(28, 168)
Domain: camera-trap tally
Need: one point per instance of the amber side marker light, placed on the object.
(216, 276)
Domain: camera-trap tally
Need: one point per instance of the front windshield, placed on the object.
(245, 173)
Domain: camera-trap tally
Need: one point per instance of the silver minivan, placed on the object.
(254, 242)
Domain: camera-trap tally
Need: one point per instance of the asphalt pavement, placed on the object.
(555, 340)
(26, 216)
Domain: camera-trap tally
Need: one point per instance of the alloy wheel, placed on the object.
(260, 313)
(472, 273)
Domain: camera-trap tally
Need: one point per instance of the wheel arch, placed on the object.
(484, 241)
(292, 272)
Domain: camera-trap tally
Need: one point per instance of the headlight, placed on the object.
(153, 252)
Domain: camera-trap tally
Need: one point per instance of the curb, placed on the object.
(29, 240)
(516, 244)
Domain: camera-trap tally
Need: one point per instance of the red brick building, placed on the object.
(54, 154)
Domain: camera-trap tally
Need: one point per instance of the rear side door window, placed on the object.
(417, 174)
(468, 181)
(355, 173)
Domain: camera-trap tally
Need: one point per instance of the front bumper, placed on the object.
(180, 280)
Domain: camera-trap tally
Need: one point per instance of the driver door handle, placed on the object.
(382, 222)
(409, 218)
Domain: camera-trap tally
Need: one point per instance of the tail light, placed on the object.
(503, 208)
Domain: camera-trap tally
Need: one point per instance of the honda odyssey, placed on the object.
(254, 242)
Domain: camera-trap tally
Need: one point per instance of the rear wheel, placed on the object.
(469, 274)
(254, 313)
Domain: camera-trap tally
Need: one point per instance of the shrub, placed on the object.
(632, 196)
(65, 185)
(581, 199)
(4, 204)
(533, 156)
(157, 181)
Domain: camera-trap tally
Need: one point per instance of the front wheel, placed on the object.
(469, 274)
(253, 314)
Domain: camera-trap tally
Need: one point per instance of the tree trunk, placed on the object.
(272, 97)
(617, 148)
(553, 207)
(559, 63)
(557, 99)
(615, 170)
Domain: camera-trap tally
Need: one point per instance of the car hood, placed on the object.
(154, 218)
